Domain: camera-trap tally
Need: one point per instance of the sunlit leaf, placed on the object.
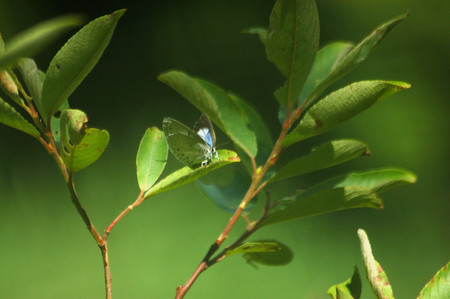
(340, 106)
(186, 174)
(323, 156)
(354, 190)
(217, 104)
(151, 157)
(439, 286)
(10, 117)
(357, 55)
(376, 275)
(349, 289)
(75, 60)
(31, 41)
(72, 125)
(292, 42)
(90, 148)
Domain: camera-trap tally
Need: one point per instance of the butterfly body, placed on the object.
(191, 147)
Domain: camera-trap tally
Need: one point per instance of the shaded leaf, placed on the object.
(340, 106)
(33, 78)
(354, 190)
(327, 154)
(376, 275)
(75, 60)
(151, 157)
(438, 286)
(349, 289)
(260, 31)
(72, 126)
(55, 122)
(88, 150)
(292, 42)
(31, 41)
(217, 104)
(357, 55)
(265, 252)
(186, 174)
(10, 117)
(227, 188)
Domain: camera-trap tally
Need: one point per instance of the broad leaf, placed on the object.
(438, 286)
(349, 191)
(323, 156)
(227, 188)
(292, 42)
(218, 105)
(357, 55)
(89, 149)
(151, 158)
(75, 60)
(340, 106)
(266, 252)
(31, 41)
(33, 78)
(10, 117)
(349, 289)
(326, 60)
(186, 174)
(376, 275)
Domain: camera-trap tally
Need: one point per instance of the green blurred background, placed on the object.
(45, 249)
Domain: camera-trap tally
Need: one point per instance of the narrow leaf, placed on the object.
(217, 104)
(90, 148)
(31, 41)
(10, 117)
(376, 275)
(349, 289)
(340, 106)
(438, 286)
(260, 31)
(327, 154)
(33, 78)
(151, 158)
(75, 60)
(292, 42)
(255, 246)
(321, 202)
(357, 55)
(354, 190)
(186, 174)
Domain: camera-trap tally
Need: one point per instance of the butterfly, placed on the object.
(191, 147)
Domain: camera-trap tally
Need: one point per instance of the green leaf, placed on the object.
(260, 31)
(327, 154)
(31, 41)
(292, 42)
(357, 55)
(354, 190)
(33, 78)
(265, 252)
(10, 117)
(376, 275)
(90, 148)
(186, 174)
(55, 122)
(257, 125)
(340, 106)
(75, 60)
(72, 125)
(227, 188)
(349, 289)
(151, 157)
(218, 105)
(438, 286)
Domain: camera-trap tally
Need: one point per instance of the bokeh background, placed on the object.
(45, 250)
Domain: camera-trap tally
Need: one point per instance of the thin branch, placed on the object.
(107, 270)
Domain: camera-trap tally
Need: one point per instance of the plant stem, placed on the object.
(108, 288)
